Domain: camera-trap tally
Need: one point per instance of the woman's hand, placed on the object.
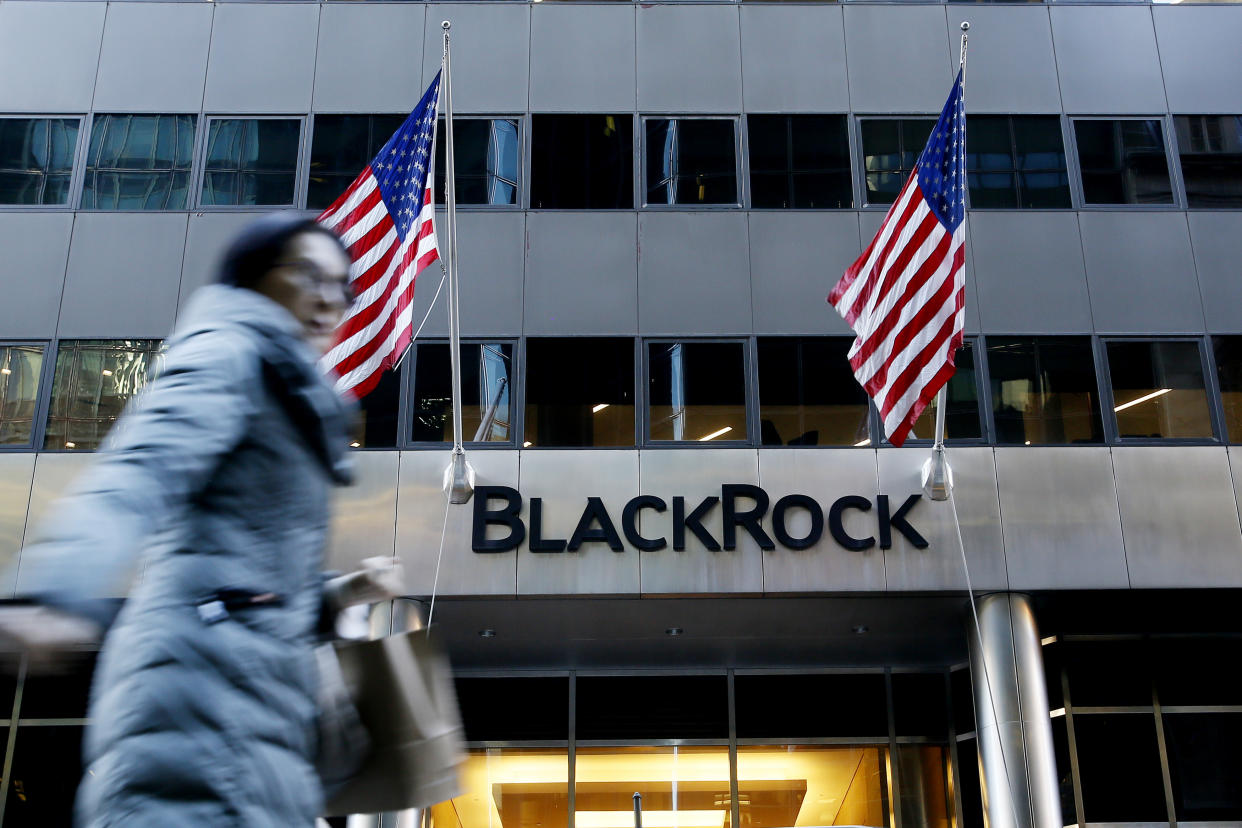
(50, 638)
(380, 579)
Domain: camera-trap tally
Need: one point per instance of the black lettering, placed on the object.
(507, 516)
(693, 522)
(898, 521)
(837, 528)
(629, 522)
(778, 521)
(748, 520)
(538, 543)
(595, 512)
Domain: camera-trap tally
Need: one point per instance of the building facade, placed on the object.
(692, 569)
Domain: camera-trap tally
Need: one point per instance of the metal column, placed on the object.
(1017, 763)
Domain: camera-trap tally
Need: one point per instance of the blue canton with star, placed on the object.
(401, 167)
(942, 166)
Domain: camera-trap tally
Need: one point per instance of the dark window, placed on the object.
(799, 161)
(652, 707)
(961, 421)
(1158, 389)
(890, 149)
(1044, 390)
(582, 162)
(47, 767)
(36, 159)
(514, 709)
(1188, 671)
(1016, 161)
(485, 155)
(341, 147)
(60, 695)
(1123, 162)
(376, 424)
(21, 367)
(968, 783)
(1119, 768)
(697, 391)
(1108, 673)
(808, 395)
(94, 380)
(691, 161)
(251, 161)
(920, 705)
(963, 701)
(139, 162)
(783, 707)
(1053, 663)
(486, 371)
(1205, 764)
(1065, 772)
(579, 392)
(1210, 147)
(1228, 353)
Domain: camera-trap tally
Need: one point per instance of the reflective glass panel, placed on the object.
(139, 162)
(652, 707)
(782, 786)
(1123, 162)
(376, 423)
(251, 161)
(1188, 670)
(691, 161)
(961, 421)
(1016, 161)
(807, 394)
(509, 788)
(697, 391)
(21, 366)
(579, 392)
(1044, 390)
(1108, 673)
(1158, 389)
(1228, 353)
(1119, 768)
(582, 162)
(63, 694)
(1210, 148)
(47, 767)
(342, 145)
(921, 705)
(543, 700)
(36, 159)
(93, 381)
(1065, 769)
(681, 787)
(1205, 765)
(485, 385)
(890, 149)
(485, 155)
(799, 161)
(966, 780)
(792, 706)
(923, 785)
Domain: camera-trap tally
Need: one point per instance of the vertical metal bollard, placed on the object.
(638, 810)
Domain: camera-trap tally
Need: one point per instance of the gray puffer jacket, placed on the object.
(217, 478)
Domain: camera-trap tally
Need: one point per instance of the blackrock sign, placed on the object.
(501, 506)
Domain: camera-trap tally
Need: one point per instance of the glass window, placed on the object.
(21, 367)
(1123, 162)
(582, 162)
(1158, 389)
(1188, 670)
(963, 701)
(961, 421)
(923, 785)
(47, 767)
(139, 162)
(62, 694)
(920, 705)
(808, 395)
(1228, 353)
(1210, 147)
(485, 154)
(93, 381)
(341, 146)
(579, 392)
(691, 161)
(787, 785)
(800, 161)
(1108, 673)
(485, 386)
(788, 706)
(697, 391)
(1065, 769)
(1119, 768)
(36, 159)
(966, 777)
(251, 161)
(890, 149)
(681, 787)
(487, 707)
(1044, 390)
(652, 707)
(376, 423)
(1016, 161)
(1205, 765)
(513, 788)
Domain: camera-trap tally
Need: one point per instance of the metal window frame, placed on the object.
(521, 199)
(405, 428)
(195, 152)
(858, 150)
(789, 120)
(300, 164)
(635, 155)
(1074, 197)
(43, 398)
(1176, 150)
(635, 390)
(1077, 194)
(739, 151)
(76, 174)
(312, 122)
(749, 397)
(1216, 394)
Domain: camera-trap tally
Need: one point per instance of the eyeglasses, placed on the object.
(309, 276)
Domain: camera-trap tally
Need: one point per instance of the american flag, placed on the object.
(905, 295)
(386, 220)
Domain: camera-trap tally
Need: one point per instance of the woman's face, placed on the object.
(311, 281)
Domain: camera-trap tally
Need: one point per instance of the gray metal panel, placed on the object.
(154, 58)
(564, 480)
(1140, 272)
(420, 515)
(1116, 73)
(491, 62)
(895, 65)
(364, 515)
(581, 273)
(1235, 468)
(1060, 518)
(16, 475)
(793, 59)
(245, 74)
(48, 55)
(368, 59)
(1012, 67)
(695, 475)
(206, 238)
(32, 273)
(490, 246)
(53, 472)
(1179, 516)
(939, 566)
(582, 58)
(1201, 59)
(123, 275)
(689, 59)
(1217, 241)
(825, 476)
(794, 260)
(693, 273)
(1029, 272)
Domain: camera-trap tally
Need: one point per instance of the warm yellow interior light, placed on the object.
(1143, 399)
(716, 434)
(599, 408)
(862, 443)
(651, 819)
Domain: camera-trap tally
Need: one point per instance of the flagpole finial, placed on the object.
(446, 25)
(965, 25)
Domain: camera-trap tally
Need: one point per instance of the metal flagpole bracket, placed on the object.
(459, 478)
(937, 475)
